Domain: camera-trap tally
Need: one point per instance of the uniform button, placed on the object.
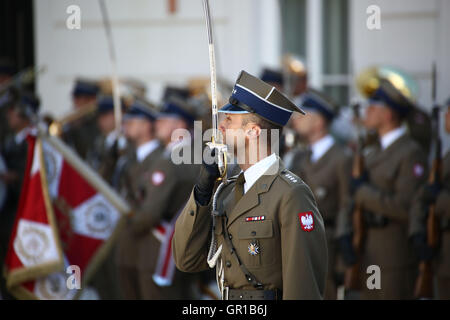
(253, 233)
(230, 236)
(192, 213)
(228, 264)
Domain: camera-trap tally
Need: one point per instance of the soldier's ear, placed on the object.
(254, 131)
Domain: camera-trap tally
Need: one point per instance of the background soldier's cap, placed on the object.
(392, 98)
(85, 88)
(170, 91)
(27, 104)
(140, 109)
(252, 95)
(316, 101)
(272, 76)
(179, 108)
(106, 104)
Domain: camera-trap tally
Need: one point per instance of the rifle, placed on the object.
(424, 282)
(351, 279)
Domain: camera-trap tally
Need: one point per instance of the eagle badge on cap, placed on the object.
(306, 221)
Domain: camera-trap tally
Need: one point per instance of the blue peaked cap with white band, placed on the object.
(317, 102)
(391, 97)
(139, 109)
(252, 95)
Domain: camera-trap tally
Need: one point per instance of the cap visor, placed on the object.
(231, 108)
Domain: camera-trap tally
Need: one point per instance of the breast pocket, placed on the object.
(256, 243)
(385, 176)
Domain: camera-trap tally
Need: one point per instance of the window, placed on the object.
(333, 65)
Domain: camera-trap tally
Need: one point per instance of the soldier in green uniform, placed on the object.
(327, 171)
(140, 131)
(165, 191)
(103, 158)
(269, 238)
(81, 133)
(108, 145)
(394, 170)
(439, 195)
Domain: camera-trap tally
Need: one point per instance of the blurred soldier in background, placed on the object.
(140, 131)
(166, 189)
(394, 171)
(326, 170)
(435, 193)
(106, 149)
(81, 133)
(20, 114)
(103, 158)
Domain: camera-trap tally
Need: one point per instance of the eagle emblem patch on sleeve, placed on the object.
(306, 221)
(158, 178)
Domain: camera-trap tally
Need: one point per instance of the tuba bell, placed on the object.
(369, 80)
(418, 121)
(293, 68)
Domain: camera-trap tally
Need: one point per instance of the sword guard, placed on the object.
(221, 150)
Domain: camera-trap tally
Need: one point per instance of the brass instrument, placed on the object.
(130, 89)
(418, 121)
(369, 80)
(57, 127)
(293, 68)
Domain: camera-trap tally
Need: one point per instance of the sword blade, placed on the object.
(212, 68)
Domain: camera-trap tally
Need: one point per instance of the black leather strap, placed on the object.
(248, 275)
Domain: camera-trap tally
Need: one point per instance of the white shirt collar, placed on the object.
(319, 148)
(111, 138)
(145, 149)
(390, 137)
(257, 170)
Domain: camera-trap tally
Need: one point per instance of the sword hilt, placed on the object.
(221, 151)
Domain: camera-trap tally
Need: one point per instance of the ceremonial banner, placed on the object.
(165, 265)
(34, 248)
(87, 213)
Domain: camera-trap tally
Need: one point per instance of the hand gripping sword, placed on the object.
(216, 139)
